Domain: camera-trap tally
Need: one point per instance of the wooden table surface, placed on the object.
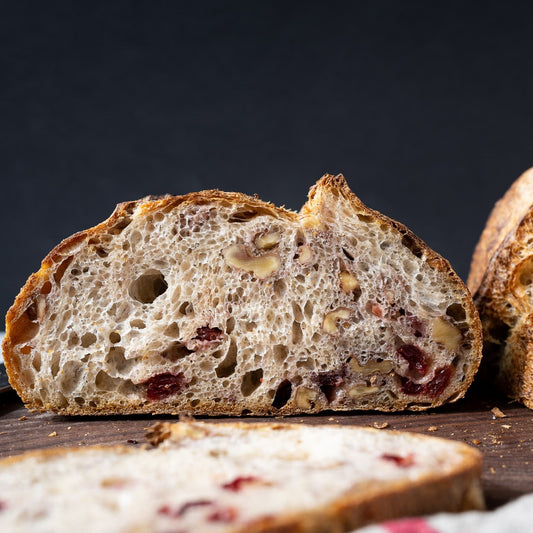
(506, 443)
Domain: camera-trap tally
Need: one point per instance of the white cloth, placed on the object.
(515, 517)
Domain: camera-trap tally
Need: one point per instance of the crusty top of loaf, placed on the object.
(504, 218)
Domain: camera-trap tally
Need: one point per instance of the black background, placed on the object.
(426, 107)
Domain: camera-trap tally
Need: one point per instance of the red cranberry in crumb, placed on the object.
(415, 357)
(433, 388)
(237, 484)
(208, 334)
(162, 386)
(398, 460)
(437, 385)
(224, 514)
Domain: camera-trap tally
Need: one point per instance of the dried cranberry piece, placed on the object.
(437, 385)
(208, 334)
(225, 514)
(237, 484)
(410, 387)
(402, 462)
(415, 357)
(433, 388)
(162, 386)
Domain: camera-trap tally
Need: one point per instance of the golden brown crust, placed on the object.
(458, 490)
(17, 323)
(501, 273)
(505, 215)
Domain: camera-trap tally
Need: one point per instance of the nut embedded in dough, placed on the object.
(261, 267)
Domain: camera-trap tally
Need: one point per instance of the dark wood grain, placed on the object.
(506, 443)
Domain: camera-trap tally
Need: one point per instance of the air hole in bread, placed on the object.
(175, 352)
(308, 364)
(251, 381)
(87, 339)
(54, 364)
(283, 394)
(137, 323)
(60, 270)
(279, 287)
(104, 382)
(120, 225)
(280, 352)
(230, 325)
(46, 288)
(73, 339)
(456, 311)
(117, 362)
(115, 337)
(186, 308)
(297, 312)
(348, 254)
(243, 215)
(297, 334)
(172, 330)
(70, 376)
(411, 244)
(148, 286)
(227, 366)
(36, 361)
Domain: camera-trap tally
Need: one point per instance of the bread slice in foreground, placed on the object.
(219, 303)
(239, 478)
(501, 275)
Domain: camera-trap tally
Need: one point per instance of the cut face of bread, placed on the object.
(502, 276)
(218, 303)
(246, 478)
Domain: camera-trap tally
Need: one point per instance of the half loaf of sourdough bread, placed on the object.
(501, 276)
(219, 303)
(246, 478)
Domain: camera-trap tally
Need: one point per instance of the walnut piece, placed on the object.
(261, 266)
(305, 254)
(384, 367)
(266, 241)
(330, 320)
(361, 390)
(305, 398)
(348, 282)
(446, 334)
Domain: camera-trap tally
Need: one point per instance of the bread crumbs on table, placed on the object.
(432, 428)
(380, 425)
(53, 434)
(492, 470)
(506, 426)
(497, 413)
(22, 418)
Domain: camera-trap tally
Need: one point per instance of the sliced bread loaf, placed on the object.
(219, 303)
(243, 478)
(501, 275)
